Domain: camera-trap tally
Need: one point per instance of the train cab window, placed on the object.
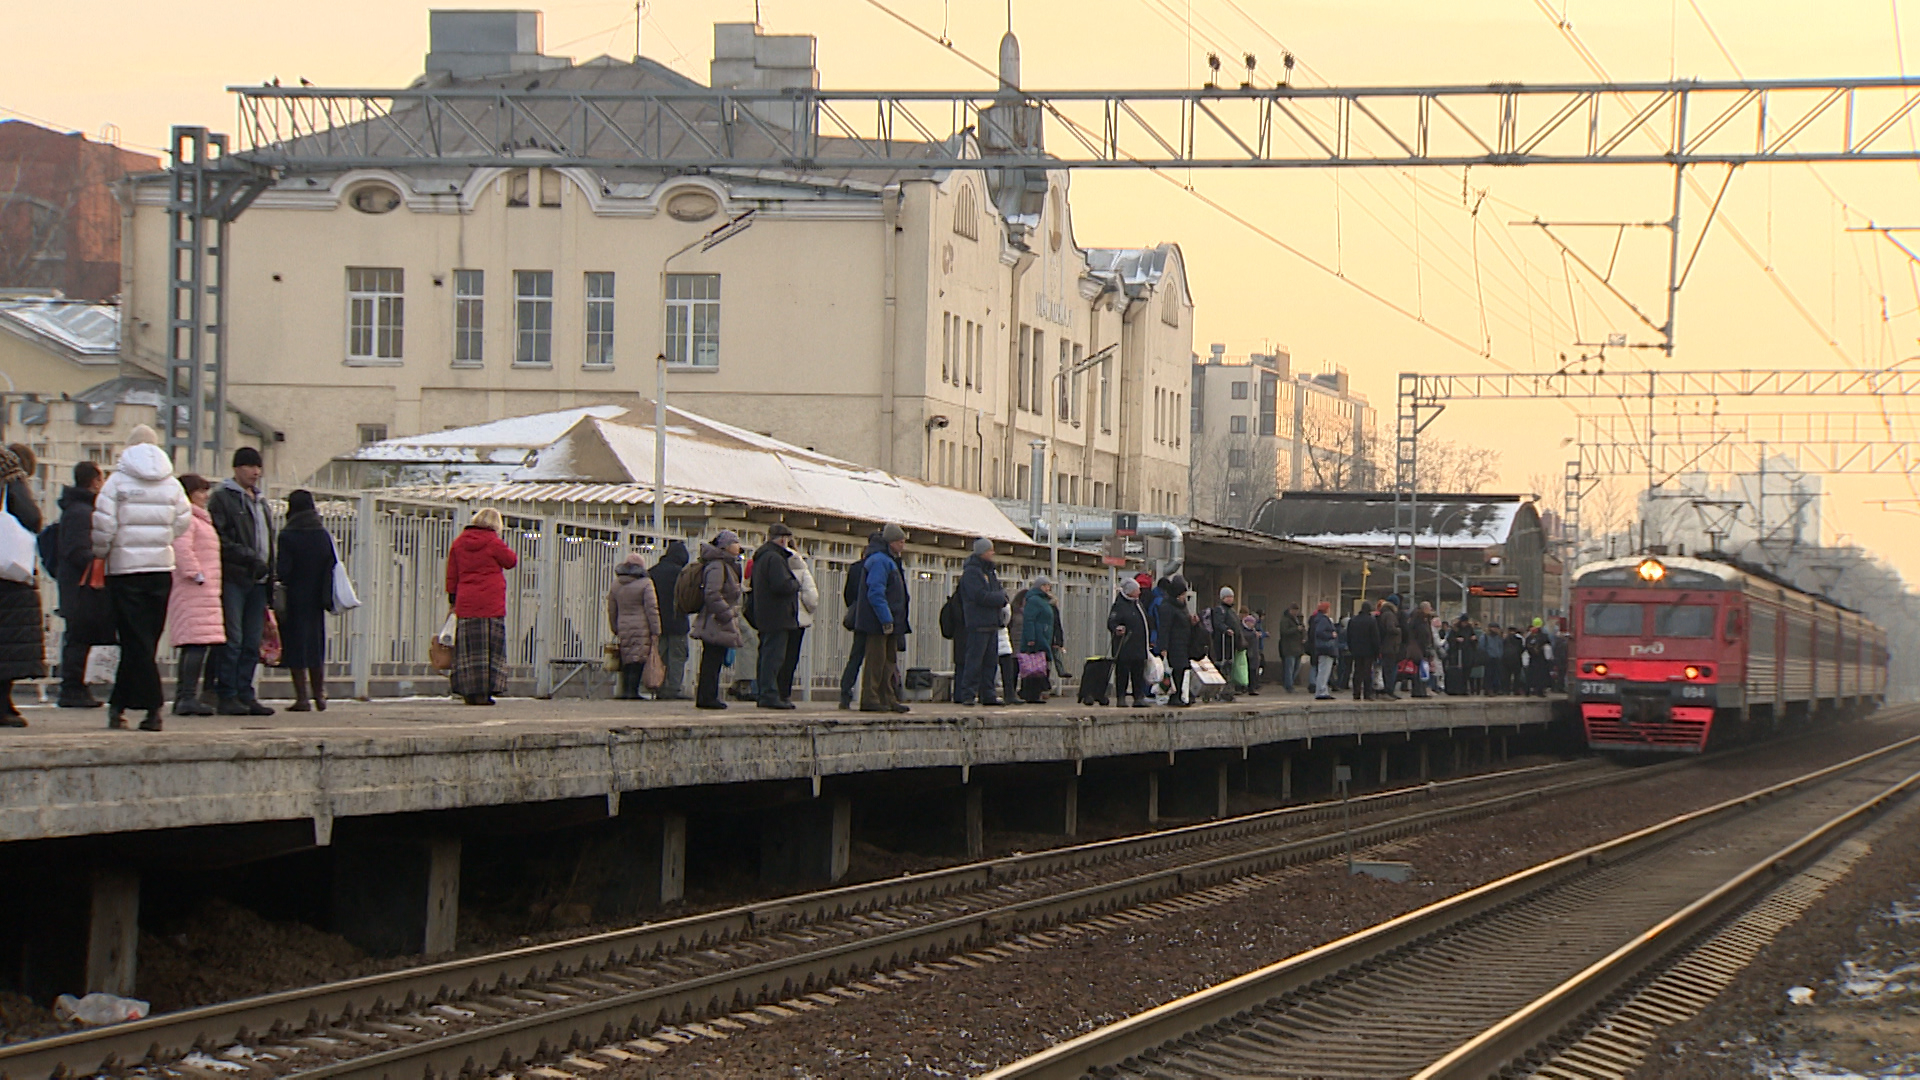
(1683, 620)
(1733, 624)
(1613, 620)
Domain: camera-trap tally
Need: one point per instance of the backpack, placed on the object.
(951, 620)
(689, 593)
(49, 545)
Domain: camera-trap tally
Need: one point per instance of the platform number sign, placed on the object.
(1126, 524)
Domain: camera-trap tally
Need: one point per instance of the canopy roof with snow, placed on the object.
(1365, 519)
(605, 454)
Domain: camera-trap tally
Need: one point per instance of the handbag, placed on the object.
(1407, 667)
(96, 576)
(1032, 664)
(654, 674)
(610, 656)
(18, 548)
(103, 664)
(344, 598)
(270, 649)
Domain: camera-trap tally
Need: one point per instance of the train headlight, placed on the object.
(1599, 669)
(1692, 672)
(1652, 570)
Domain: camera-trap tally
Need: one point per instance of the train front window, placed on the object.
(1613, 620)
(1683, 620)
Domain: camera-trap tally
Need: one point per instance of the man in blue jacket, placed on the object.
(882, 616)
(982, 599)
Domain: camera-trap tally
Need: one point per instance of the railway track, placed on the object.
(1491, 981)
(526, 1003)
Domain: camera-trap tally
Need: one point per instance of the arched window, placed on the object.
(966, 213)
(1170, 304)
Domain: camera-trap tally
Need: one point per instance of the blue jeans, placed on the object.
(245, 606)
(974, 682)
(1289, 671)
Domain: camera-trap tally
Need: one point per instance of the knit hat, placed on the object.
(1145, 579)
(1129, 588)
(892, 533)
(982, 545)
(247, 455)
(298, 501)
(1324, 607)
(1226, 593)
(726, 539)
(142, 435)
(1041, 581)
(1538, 621)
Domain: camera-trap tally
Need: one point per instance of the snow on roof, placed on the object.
(605, 455)
(500, 442)
(87, 329)
(1366, 520)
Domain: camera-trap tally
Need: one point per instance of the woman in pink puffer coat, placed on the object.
(195, 617)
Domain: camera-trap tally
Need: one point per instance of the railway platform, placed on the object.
(388, 790)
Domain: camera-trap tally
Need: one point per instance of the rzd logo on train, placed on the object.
(1654, 649)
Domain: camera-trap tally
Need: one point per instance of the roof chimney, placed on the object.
(480, 44)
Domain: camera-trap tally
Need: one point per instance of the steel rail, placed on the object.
(1187, 1019)
(162, 1036)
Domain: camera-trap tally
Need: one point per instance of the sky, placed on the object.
(1456, 283)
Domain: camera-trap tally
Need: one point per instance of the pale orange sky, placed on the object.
(143, 65)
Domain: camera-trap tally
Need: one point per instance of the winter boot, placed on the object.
(300, 701)
(317, 682)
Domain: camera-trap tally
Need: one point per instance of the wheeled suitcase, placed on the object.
(1095, 678)
(1033, 688)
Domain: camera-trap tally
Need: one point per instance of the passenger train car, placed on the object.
(1670, 653)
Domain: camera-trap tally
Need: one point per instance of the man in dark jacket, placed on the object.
(1127, 622)
(1512, 648)
(982, 601)
(1225, 638)
(673, 623)
(1363, 644)
(776, 612)
(1293, 644)
(86, 611)
(882, 615)
(1539, 651)
(1177, 633)
(1420, 647)
(239, 511)
(1388, 618)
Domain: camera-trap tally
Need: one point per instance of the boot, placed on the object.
(116, 718)
(186, 700)
(300, 701)
(317, 682)
(152, 722)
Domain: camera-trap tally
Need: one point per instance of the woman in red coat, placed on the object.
(477, 569)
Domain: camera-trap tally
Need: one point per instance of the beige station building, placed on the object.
(928, 323)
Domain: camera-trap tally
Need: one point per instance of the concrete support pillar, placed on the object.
(1042, 804)
(1153, 797)
(113, 931)
(1220, 809)
(1383, 766)
(1426, 764)
(643, 865)
(975, 823)
(394, 896)
(1286, 778)
(1503, 749)
(807, 844)
(1456, 756)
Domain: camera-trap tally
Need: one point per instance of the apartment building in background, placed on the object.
(59, 221)
(931, 323)
(1259, 428)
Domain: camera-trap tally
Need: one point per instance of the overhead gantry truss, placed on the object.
(1643, 123)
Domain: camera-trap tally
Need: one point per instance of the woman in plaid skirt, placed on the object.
(477, 587)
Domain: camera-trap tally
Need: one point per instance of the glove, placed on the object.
(199, 579)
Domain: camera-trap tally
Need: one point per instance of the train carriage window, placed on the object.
(1613, 620)
(1733, 624)
(1683, 620)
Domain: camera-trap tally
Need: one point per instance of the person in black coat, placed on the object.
(982, 609)
(22, 646)
(86, 612)
(776, 612)
(673, 623)
(1363, 641)
(1177, 638)
(1127, 622)
(304, 569)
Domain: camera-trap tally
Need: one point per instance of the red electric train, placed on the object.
(1672, 653)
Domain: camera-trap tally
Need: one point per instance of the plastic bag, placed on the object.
(445, 636)
(654, 675)
(1156, 670)
(103, 664)
(610, 656)
(270, 649)
(96, 1009)
(19, 548)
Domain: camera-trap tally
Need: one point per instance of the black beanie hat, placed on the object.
(298, 501)
(247, 455)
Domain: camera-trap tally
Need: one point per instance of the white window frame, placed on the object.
(687, 345)
(532, 318)
(376, 314)
(599, 314)
(469, 318)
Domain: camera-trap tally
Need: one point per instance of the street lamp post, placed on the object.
(1053, 504)
(713, 238)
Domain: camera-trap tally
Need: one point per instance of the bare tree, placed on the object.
(1230, 475)
(1336, 455)
(1454, 467)
(33, 230)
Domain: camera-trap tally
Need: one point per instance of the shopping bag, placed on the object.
(1156, 670)
(19, 548)
(1240, 669)
(445, 636)
(654, 674)
(103, 663)
(270, 642)
(610, 656)
(1032, 664)
(440, 656)
(344, 598)
(1208, 675)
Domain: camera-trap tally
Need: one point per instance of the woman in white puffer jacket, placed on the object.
(136, 517)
